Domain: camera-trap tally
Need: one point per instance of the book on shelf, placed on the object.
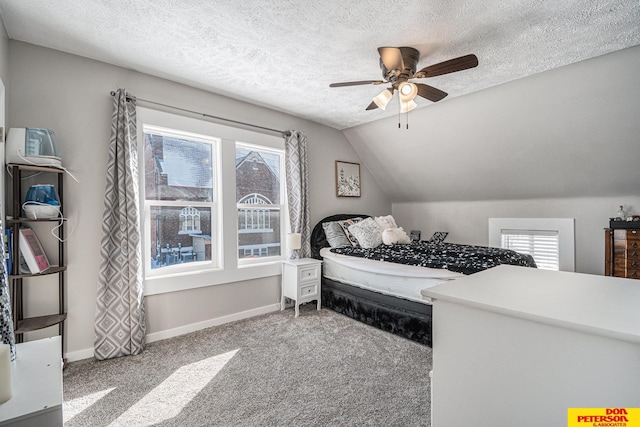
(32, 251)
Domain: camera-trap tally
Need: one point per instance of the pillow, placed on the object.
(392, 236)
(344, 224)
(367, 232)
(438, 237)
(386, 222)
(335, 235)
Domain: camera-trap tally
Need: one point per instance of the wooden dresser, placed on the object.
(622, 253)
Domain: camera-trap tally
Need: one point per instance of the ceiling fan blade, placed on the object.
(391, 57)
(361, 82)
(450, 66)
(430, 92)
(372, 106)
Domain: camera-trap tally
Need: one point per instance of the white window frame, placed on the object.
(564, 227)
(226, 246)
(149, 204)
(280, 207)
(189, 218)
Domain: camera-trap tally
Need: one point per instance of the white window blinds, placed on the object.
(542, 245)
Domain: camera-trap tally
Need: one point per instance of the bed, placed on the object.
(364, 285)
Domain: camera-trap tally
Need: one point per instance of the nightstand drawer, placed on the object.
(308, 290)
(307, 273)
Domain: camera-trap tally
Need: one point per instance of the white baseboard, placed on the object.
(73, 356)
(170, 333)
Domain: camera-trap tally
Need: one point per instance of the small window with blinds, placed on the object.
(542, 245)
(550, 241)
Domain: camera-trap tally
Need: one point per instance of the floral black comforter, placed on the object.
(463, 259)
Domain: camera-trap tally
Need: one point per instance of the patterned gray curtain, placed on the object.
(120, 319)
(298, 187)
(6, 321)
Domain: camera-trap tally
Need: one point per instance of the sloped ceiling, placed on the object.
(569, 132)
(284, 54)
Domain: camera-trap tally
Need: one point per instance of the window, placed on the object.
(550, 241)
(259, 190)
(190, 221)
(254, 220)
(179, 198)
(199, 228)
(202, 225)
(542, 245)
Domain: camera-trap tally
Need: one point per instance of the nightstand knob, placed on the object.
(634, 275)
(634, 245)
(634, 254)
(634, 264)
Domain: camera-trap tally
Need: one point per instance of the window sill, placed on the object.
(203, 278)
(255, 230)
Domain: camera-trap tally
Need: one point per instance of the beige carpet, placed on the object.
(320, 369)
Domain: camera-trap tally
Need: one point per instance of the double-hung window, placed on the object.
(180, 199)
(259, 198)
(212, 207)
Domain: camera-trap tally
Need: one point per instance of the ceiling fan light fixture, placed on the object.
(407, 106)
(383, 98)
(407, 91)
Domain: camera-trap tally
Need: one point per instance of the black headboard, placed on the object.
(319, 240)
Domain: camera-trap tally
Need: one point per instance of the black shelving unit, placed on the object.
(15, 222)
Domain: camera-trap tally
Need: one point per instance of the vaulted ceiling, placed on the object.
(284, 54)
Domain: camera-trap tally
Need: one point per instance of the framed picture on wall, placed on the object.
(347, 179)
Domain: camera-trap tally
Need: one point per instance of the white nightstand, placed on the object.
(301, 281)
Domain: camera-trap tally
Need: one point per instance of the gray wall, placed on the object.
(447, 172)
(70, 95)
(4, 51)
(568, 132)
(467, 222)
(563, 143)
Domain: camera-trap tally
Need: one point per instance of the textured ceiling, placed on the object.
(284, 53)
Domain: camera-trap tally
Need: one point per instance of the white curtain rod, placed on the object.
(281, 132)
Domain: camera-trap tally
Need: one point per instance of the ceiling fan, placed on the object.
(398, 66)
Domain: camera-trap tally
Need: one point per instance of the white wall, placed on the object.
(70, 95)
(467, 222)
